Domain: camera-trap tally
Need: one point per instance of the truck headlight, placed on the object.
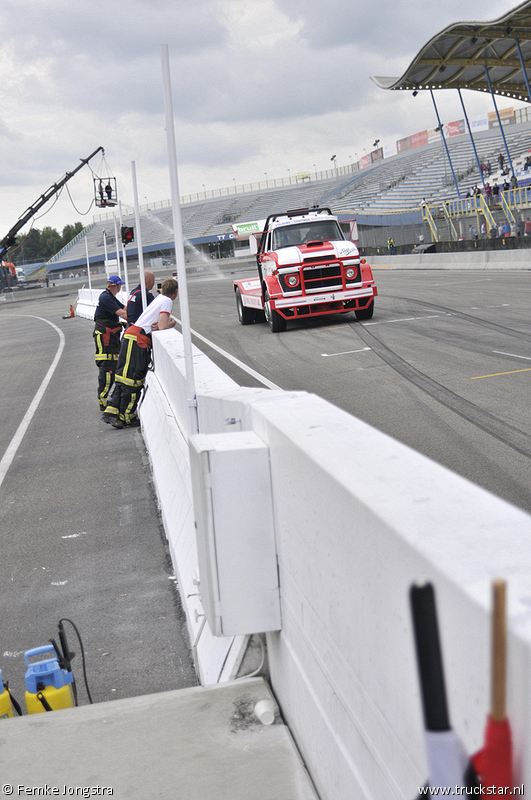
(292, 280)
(350, 273)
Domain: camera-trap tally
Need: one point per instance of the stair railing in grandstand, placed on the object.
(487, 213)
(428, 217)
(450, 222)
(505, 197)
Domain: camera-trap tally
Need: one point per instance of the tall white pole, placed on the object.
(106, 257)
(116, 243)
(179, 242)
(124, 256)
(88, 262)
(138, 235)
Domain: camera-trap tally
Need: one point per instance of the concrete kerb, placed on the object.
(481, 260)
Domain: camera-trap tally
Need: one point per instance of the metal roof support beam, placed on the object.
(499, 120)
(444, 142)
(524, 71)
(472, 138)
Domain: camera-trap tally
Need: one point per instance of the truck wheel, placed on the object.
(245, 315)
(273, 318)
(366, 313)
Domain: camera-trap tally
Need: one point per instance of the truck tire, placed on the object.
(366, 313)
(245, 315)
(273, 318)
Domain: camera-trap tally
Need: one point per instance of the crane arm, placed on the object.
(10, 238)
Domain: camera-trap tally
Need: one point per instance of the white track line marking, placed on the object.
(234, 360)
(513, 355)
(13, 446)
(345, 353)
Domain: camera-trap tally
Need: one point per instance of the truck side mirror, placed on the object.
(253, 243)
(353, 234)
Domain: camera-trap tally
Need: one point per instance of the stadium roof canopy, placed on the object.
(457, 56)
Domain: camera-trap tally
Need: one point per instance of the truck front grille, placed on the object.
(317, 279)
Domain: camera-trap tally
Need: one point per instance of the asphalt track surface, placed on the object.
(444, 365)
(80, 533)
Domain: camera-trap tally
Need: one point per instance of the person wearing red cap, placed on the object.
(107, 329)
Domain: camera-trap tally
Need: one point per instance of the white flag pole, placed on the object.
(138, 236)
(88, 262)
(106, 257)
(124, 254)
(179, 242)
(116, 243)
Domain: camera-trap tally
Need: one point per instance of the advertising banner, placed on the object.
(419, 139)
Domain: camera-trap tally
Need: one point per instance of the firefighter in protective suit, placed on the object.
(107, 330)
(134, 358)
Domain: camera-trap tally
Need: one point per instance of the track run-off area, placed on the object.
(444, 366)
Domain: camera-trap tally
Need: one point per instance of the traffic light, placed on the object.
(128, 235)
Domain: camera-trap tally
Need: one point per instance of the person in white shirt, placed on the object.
(134, 358)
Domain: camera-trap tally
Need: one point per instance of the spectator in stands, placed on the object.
(514, 181)
(520, 227)
(513, 228)
(477, 190)
(527, 163)
(489, 169)
(472, 232)
(496, 193)
(483, 230)
(493, 232)
(506, 185)
(527, 227)
(501, 161)
(506, 230)
(488, 193)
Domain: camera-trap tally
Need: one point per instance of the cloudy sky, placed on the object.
(259, 86)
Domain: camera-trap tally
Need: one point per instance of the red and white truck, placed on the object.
(306, 268)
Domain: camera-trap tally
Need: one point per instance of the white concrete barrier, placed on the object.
(472, 260)
(359, 517)
(165, 425)
(87, 300)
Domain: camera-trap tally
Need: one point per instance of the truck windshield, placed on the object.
(304, 232)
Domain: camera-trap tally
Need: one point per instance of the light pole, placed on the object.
(289, 173)
(265, 173)
(234, 179)
(204, 190)
(334, 160)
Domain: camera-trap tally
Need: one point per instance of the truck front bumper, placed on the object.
(324, 302)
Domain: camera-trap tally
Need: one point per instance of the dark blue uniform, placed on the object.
(134, 304)
(107, 330)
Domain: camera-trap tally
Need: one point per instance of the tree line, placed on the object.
(39, 245)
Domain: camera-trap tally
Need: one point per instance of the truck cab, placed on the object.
(306, 267)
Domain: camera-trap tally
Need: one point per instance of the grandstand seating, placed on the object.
(394, 184)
